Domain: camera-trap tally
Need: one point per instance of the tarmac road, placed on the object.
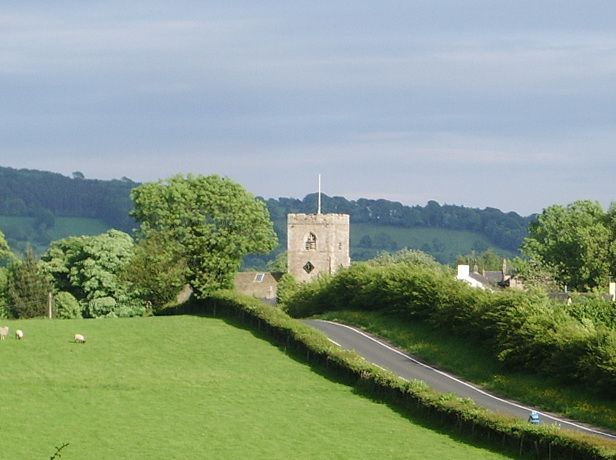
(380, 353)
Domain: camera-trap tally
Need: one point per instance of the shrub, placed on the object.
(28, 288)
(99, 307)
(287, 287)
(66, 306)
(525, 329)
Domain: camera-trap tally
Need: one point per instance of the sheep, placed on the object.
(80, 338)
(4, 331)
(19, 334)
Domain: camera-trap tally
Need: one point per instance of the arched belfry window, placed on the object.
(311, 242)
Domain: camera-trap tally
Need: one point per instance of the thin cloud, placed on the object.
(417, 100)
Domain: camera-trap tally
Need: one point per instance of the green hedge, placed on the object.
(453, 413)
(523, 330)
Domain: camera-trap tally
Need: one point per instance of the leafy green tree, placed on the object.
(279, 264)
(536, 275)
(88, 267)
(157, 271)
(4, 285)
(611, 225)
(66, 306)
(6, 257)
(213, 219)
(44, 219)
(384, 241)
(28, 288)
(412, 257)
(487, 260)
(575, 241)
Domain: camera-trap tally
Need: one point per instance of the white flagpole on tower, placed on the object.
(319, 197)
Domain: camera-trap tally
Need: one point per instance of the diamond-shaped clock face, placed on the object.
(308, 267)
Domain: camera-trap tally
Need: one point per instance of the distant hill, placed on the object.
(32, 193)
(445, 231)
(503, 230)
(37, 207)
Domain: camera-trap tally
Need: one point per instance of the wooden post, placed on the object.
(49, 302)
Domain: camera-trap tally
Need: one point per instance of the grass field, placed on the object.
(69, 226)
(21, 231)
(476, 364)
(64, 226)
(188, 387)
(444, 245)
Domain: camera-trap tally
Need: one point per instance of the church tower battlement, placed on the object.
(317, 244)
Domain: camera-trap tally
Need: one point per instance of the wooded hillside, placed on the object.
(504, 230)
(42, 196)
(32, 193)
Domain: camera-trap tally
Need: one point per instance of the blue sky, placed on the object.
(477, 103)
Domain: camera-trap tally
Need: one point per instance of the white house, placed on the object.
(473, 279)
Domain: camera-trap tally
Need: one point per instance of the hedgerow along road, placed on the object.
(384, 355)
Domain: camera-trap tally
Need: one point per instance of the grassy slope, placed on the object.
(64, 226)
(188, 387)
(69, 226)
(20, 231)
(476, 364)
(444, 244)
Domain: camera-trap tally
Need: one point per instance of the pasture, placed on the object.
(188, 387)
(445, 245)
(22, 231)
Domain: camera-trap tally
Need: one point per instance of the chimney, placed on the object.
(463, 271)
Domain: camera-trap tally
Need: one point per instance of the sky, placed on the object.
(480, 103)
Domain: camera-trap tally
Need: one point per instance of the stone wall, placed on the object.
(317, 244)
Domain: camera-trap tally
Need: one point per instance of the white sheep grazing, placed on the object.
(4, 331)
(19, 334)
(80, 338)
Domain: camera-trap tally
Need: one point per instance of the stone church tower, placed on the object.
(317, 244)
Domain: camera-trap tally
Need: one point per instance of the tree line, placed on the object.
(43, 195)
(194, 231)
(572, 245)
(575, 244)
(504, 230)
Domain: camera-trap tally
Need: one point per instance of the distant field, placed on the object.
(21, 231)
(64, 226)
(445, 245)
(188, 387)
(69, 226)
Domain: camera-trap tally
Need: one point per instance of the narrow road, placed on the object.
(388, 357)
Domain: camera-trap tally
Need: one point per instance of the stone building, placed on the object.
(261, 285)
(317, 244)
